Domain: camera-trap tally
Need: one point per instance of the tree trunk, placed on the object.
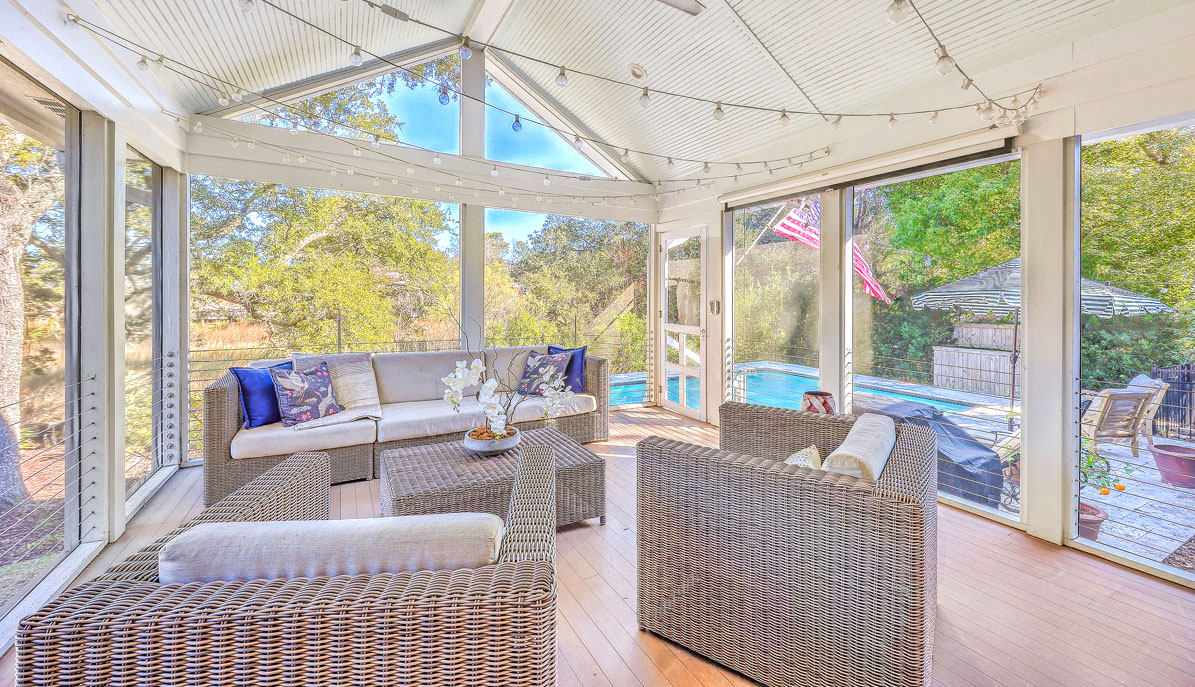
(12, 338)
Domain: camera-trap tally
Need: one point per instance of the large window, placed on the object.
(1136, 464)
(527, 143)
(39, 433)
(277, 269)
(776, 301)
(936, 307)
(571, 281)
(142, 389)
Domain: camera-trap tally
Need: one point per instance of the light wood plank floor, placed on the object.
(1013, 610)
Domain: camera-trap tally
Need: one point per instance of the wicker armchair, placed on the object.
(490, 625)
(788, 575)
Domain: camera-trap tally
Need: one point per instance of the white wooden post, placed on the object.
(101, 326)
(472, 238)
(175, 318)
(1049, 259)
(834, 296)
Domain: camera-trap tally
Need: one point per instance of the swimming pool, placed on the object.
(767, 387)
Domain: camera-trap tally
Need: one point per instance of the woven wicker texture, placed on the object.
(493, 625)
(447, 478)
(222, 418)
(789, 575)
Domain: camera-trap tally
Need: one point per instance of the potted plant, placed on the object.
(498, 434)
(1095, 472)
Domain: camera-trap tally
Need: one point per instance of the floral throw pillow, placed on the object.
(305, 395)
(541, 367)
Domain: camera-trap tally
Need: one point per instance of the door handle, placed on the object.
(715, 307)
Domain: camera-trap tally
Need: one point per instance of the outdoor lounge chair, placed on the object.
(789, 575)
(493, 625)
(1123, 414)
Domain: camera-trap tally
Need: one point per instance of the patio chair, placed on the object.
(789, 575)
(1120, 415)
(494, 624)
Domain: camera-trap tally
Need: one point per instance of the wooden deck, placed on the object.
(1013, 610)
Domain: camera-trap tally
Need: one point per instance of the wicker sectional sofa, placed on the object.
(789, 575)
(413, 414)
(490, 625)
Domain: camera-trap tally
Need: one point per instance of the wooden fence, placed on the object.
(977, 370)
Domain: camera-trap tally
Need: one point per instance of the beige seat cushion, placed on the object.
(415, 419)
(273, 440)
(403, 377)
(284, 550)
(532, 407)
(865, 451)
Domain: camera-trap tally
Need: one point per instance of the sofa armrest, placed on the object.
(413, 628)
(221, 419)
(597, 379)
(298, 488)
(530, 526)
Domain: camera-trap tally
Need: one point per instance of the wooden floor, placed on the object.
(1012, 610)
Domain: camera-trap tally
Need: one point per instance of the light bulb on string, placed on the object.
(671, 164)
(706, 168)
(235, 142)
(410, 169)
(561, 79)
(784, 117)
(892, 121)
(501, 191)
(718, 112)
(625, 157)
(494, 171)
(458, 181)
(1002, 120)
(198, 128)
(302, 158)
(1015, 103)
(476, 193)
(356, 151)
(738, 168)
(437, 188)
(332, 171)
(966, 83)
(349, 170)
(251, 144)
(451, 196)
(466, 50)
(945, 63)
(577, 142)
(988, 113)
(547, 180)
(375, 143)
(644, 98)
(238, 95)
(394, 180)
(444, 98)
(248, 6)
(143, 64)
(517, 124)
(222, 99)
(836, 122)
(376, 181)
(933, 119)
(436, 159)
(355, 58)
(898, 11)
(294, 129)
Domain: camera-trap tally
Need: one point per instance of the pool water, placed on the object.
(766, 387)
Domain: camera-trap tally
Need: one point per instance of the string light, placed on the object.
(898, 11)
(237, 95)
(933, 119)
(285, 158)
(248, 6)
(355, 58)
(494, 171)
(294, 129)
(547, 180)
(375, 143)
(444, 98)
(458, 181)
(376, 181)
(251, 144)
(198, 128)
(222, 100)
(437, 188)
(436, 159)
(718, 113)
(836, 122)
(302, 158)
(356, 151)
(410, 169)
(892, 121)
(517, 125)
(349, 170)
(332, 171)
(394, 180)
(783, 118)
(577, 142)
(143, 64)
(466, 50)
(235, 142)
(626, 156)
(706, 168)
(645, 98)
(966, 83)
(945, 63)
(561, 79)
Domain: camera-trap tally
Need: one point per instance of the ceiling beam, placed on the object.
(485, 18)
(330, 81)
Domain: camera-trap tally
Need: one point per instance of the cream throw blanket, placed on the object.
(866, 448)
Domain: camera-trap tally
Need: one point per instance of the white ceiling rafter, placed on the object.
(485, 18)
(546, 109)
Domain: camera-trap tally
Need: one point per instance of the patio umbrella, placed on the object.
(997, 291)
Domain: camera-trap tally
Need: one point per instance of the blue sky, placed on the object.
(429, 124)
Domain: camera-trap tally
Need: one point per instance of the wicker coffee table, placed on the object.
(446, 478)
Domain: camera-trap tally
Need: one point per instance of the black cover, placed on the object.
(967, 468)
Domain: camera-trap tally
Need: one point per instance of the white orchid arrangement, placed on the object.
(498, 403)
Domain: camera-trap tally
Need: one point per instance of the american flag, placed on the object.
(803, 224)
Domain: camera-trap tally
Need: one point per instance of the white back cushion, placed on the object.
(284, 550)
(352, 377)
(403, 377)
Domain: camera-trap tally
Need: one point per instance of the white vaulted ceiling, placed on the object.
(843, 53)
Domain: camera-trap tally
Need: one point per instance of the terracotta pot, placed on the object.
(1176, 463)
(492, 447)
(1090, 520)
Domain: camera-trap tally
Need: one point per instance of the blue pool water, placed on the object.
(765, 387)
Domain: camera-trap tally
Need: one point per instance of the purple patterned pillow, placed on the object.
(539, 366)
(305, 395)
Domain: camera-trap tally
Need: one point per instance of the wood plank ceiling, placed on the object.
(843, 53)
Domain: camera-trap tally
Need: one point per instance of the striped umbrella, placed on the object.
(997, 291)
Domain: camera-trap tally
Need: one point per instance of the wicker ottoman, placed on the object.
(446, 478)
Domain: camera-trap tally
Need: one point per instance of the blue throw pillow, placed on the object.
(539, 369)
(259, 403)
(574, 374)
(304, 396)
